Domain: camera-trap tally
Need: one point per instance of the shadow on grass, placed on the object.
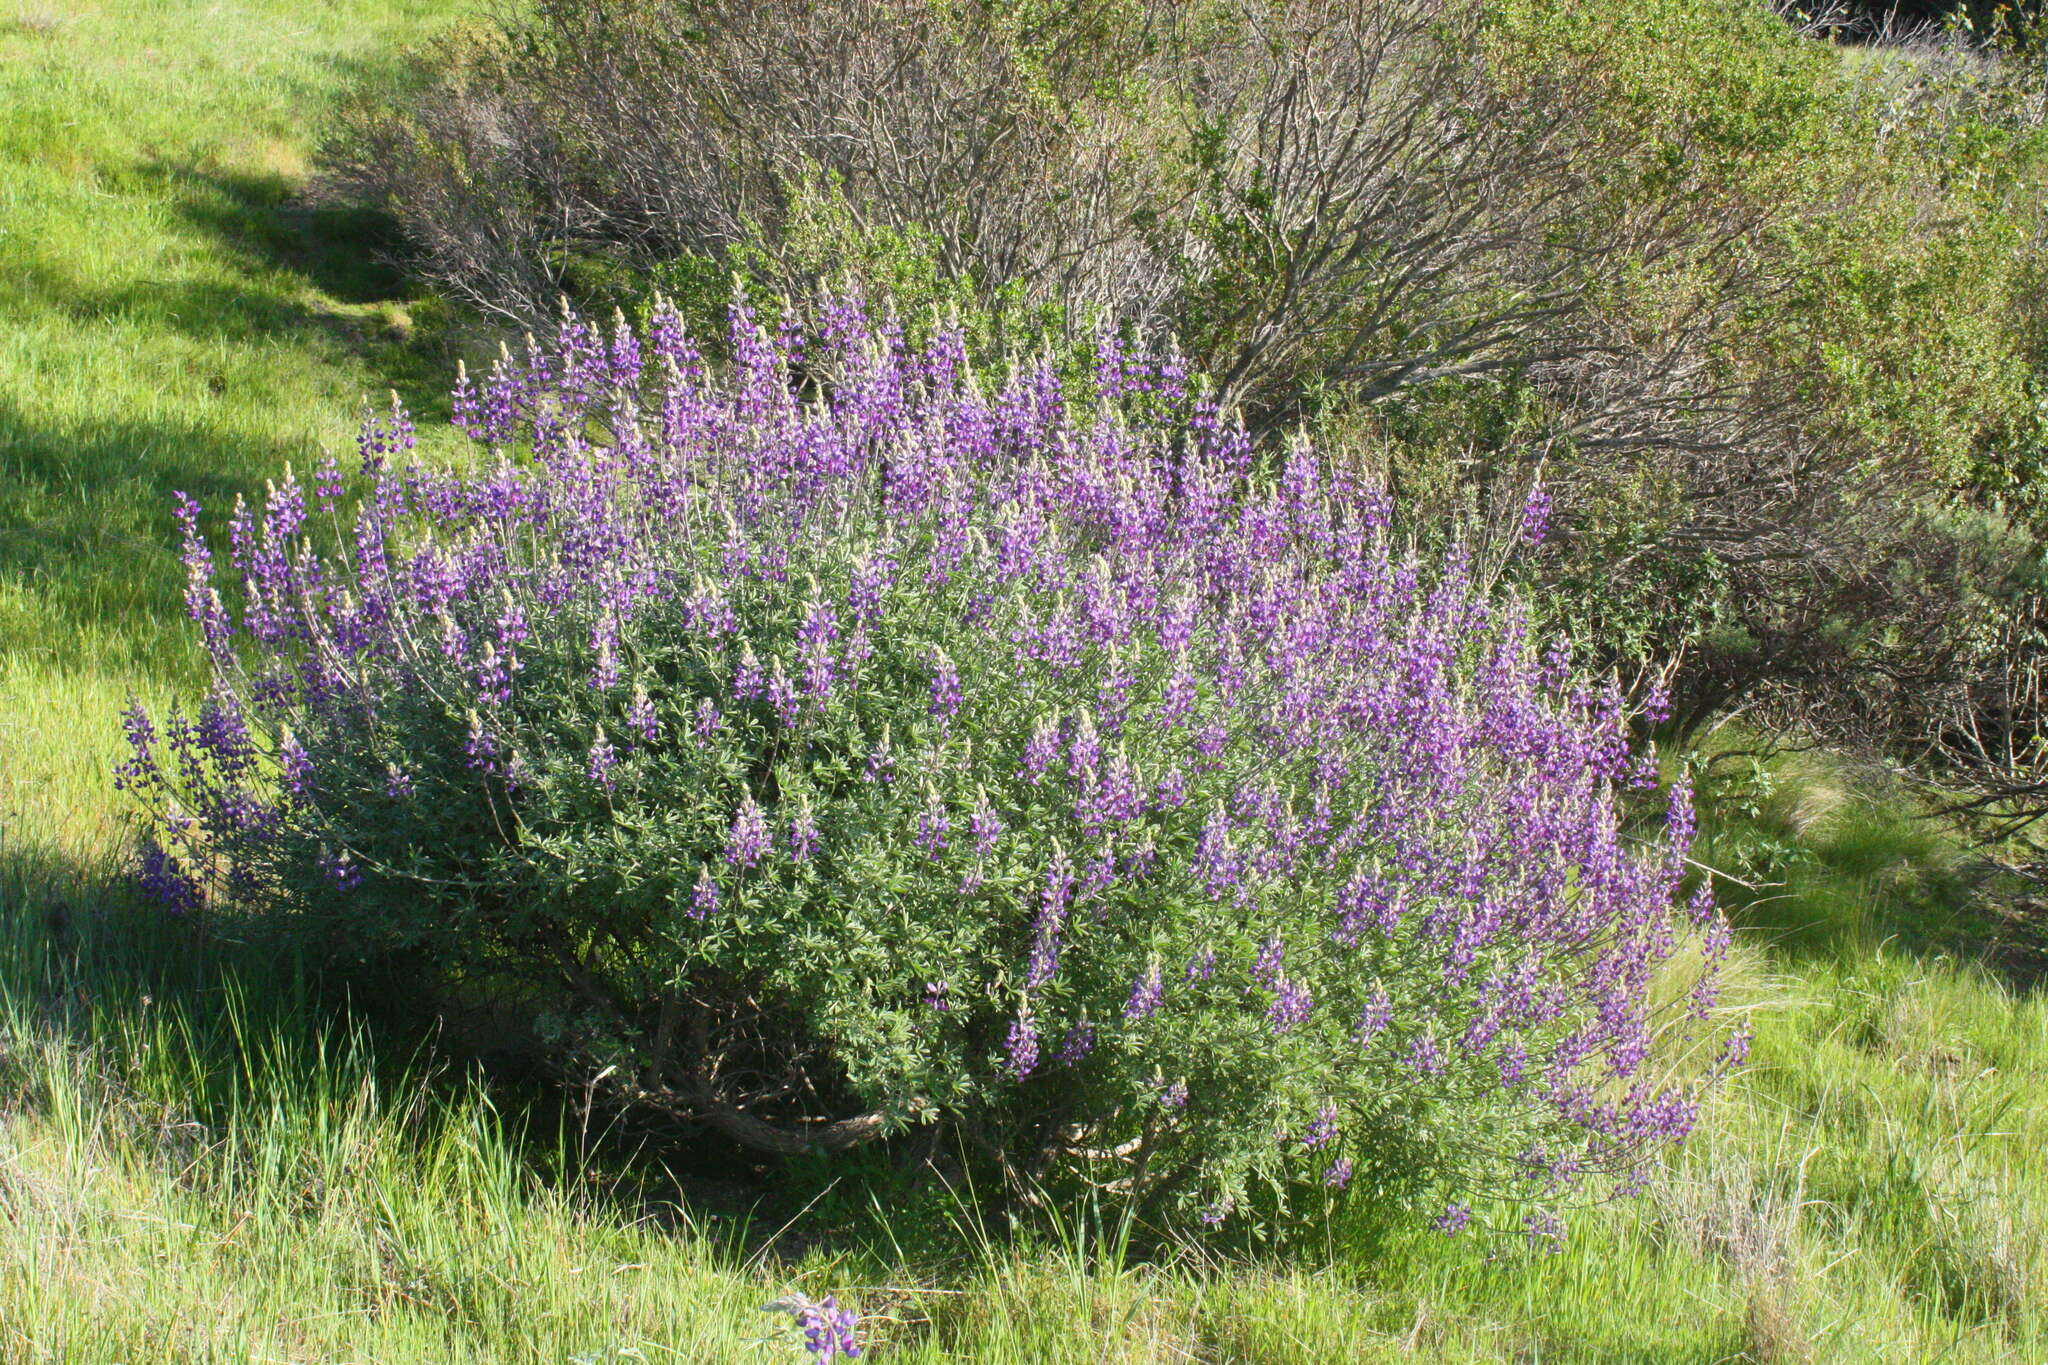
(1831, 864)
(88, 531)
(300, 272)
(86, 526)
(87, 964)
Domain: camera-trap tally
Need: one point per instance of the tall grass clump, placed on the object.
(825, 748)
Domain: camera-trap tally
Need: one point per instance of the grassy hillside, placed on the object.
(198, 1163)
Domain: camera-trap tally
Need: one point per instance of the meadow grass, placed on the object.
(201, 1160)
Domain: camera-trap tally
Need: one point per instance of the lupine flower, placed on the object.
(749, 840)
(804, 836)
(984, 825)
(933, 824)
(340, 868)
(881, 764)
(706, 722)
(1374, 1018)
(829, 1330)
(162, 881)
(946, 694)
(1266, 967)
(1536, 514)
(1041, 750)
(1022, 1046)
(603, 758)
(480, 748)
(1543, 1229)
(1290, 1007)
(640, 716)
(1425, 1055)
(1338, 1173)
(1322, 1131)
(1147, 993)
(297, 765)
(1453, 1220)
(1657, 704)
(704, 896)
(1078, 1043)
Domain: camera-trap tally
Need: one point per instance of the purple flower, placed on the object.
(603, 758)
(1374, 1018)
(946, 694)
(881, 764)
(640, 716)
(480, 747)
(1021, 1046)
(1290, 1007)
(984, 826)
(341, 869)
(604, 673)
(1147, 992)
(1040, 751)
(164, 882)
(1078, 1043)
(703, 896)
(1425, 1056)
(1266, 966)
(933, 825)
(706, 722)
(1536, 514)
(830, 1332)
(1322, 1131)
(804, 836)
(296, 765)
(1338, 1174)
(748, 840)
(1453, 1220)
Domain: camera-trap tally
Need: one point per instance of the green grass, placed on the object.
(198, 1162)
(170, 318)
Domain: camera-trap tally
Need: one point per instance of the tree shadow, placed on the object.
(321, 274)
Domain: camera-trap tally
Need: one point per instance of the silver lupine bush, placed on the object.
(829, 744)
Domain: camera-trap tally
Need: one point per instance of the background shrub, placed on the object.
(823, 760)
(1761, 308)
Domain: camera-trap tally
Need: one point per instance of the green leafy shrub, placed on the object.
(824, 765)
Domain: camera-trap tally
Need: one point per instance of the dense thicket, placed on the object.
(1766, 312)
